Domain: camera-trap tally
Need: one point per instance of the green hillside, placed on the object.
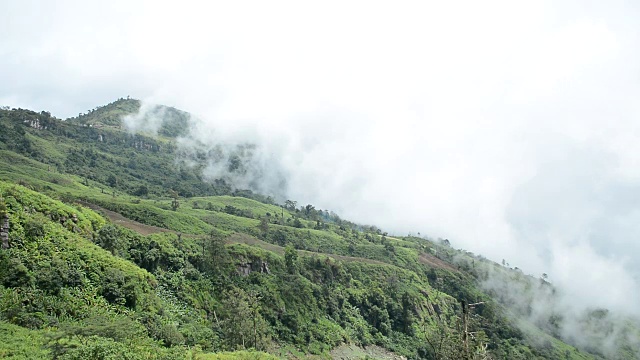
(173, 123)
(115, 251)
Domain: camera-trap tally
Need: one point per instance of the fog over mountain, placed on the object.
(511, 129)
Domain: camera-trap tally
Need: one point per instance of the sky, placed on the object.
(510, 128)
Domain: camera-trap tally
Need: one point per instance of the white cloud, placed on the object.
(511, 128)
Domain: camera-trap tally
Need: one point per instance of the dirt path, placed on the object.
(433, 261)
(250, 240)
(353, 352)
(125, 222)
(143, 229)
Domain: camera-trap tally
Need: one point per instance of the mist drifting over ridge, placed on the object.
(511, 129)
(270, 168)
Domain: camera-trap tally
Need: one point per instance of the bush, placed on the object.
(101, 348)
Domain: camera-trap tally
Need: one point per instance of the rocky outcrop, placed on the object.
(4, 231)
(35, 123)
(244, 269)
(247, 267)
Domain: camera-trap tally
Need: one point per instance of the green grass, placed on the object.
(200, 221)
(197, 221)
(18, 343)
(237, 355)
(110, 115)
(343, 284)
(257, 208)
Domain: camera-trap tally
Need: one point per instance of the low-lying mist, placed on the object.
(511, 129)
(557, 220)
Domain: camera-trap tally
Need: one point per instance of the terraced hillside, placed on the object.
(113, 250)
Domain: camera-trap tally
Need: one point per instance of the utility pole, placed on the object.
(465, 332)
(4, 225)
(465, 325)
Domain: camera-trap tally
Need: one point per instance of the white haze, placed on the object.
(511, 128)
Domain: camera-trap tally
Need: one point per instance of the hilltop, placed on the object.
(112, 248)
(174, 122)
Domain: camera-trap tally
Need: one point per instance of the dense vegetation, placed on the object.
(115, 251)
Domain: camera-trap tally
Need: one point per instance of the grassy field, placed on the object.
(18, 343)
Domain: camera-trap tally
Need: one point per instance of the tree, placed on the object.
(280, 237)
(453, 340)
(290, 205)
(111, 238)
(242, 323)
(309, 211)
(443, 342)
(175, 204)
(215, 257)
(112, 181)
(406, 318)
(142, 190)
(264, 227)
(290, 259)
(102, 338)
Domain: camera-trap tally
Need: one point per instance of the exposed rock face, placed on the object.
(35, 123)
(436, 308)
(4, 231)
(264, 268)
(246, 268)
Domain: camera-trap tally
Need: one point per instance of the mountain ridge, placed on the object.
(404, 294)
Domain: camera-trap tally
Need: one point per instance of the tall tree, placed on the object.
(215, 257)
(290, 205)
(175, 204)
(291, 259)
(264, 226)
(242, 324)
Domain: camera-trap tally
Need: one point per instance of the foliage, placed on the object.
(187, 267)
(236, 355)
(242, 325)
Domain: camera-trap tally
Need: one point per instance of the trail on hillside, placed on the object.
(433, 261)
(353, 352)
(118, 219)
(144, 229)
(250, 240)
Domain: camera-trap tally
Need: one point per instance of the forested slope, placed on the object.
(227, 270)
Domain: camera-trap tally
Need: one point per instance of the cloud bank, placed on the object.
(512, 129)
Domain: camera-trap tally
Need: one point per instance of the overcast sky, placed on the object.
(511, 128)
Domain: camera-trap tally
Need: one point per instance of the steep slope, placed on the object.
(292, 281)
(111, 157)
(109, 115)
(173, 122)
(53, 275)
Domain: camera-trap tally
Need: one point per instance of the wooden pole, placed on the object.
(465, 330)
